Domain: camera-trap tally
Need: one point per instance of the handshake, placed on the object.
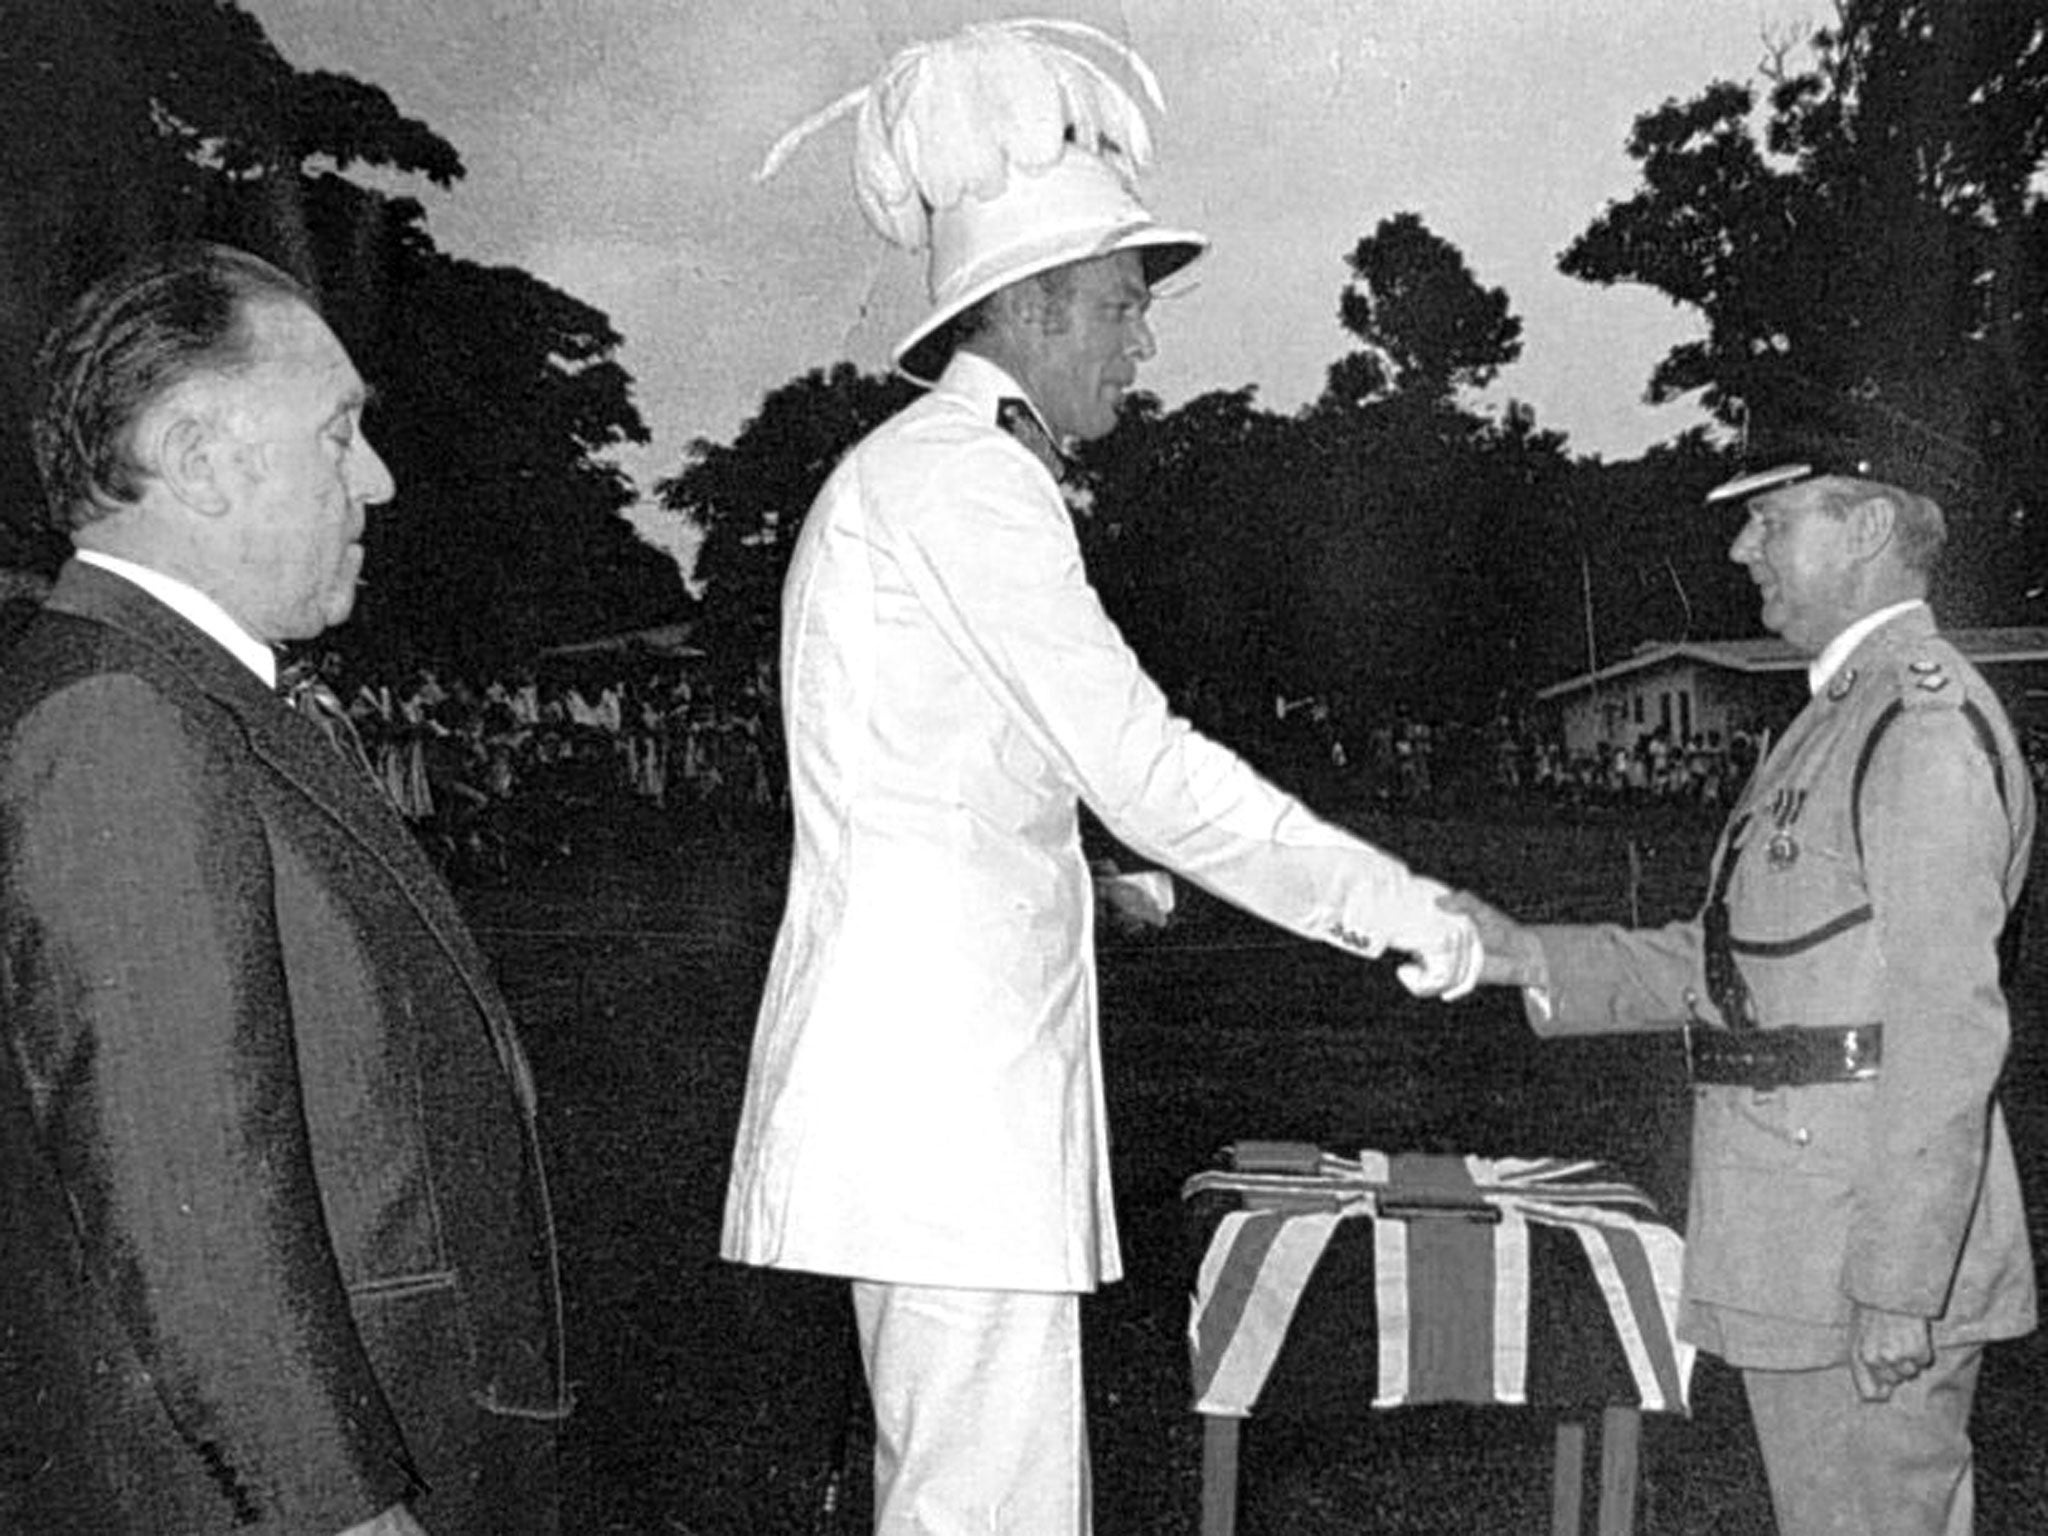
(1459, 943)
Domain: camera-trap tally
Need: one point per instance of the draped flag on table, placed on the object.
(1462, 1254)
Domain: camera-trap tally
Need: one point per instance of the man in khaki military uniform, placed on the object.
(1855, 1234)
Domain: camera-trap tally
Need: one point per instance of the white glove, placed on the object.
(1444, 946)
(1448, 970)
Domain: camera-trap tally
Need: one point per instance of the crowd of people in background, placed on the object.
(497, 774)
(1401, 758)
(1702, 770)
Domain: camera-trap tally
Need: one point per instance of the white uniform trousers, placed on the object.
(1840, 1466)
(980, 1423)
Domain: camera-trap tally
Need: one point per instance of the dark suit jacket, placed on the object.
(275, 1249)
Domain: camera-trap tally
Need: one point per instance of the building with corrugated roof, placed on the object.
(1713, 688)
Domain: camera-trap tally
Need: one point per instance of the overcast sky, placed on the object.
(610, 146)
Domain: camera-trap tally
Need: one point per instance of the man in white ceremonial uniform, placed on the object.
(924, 1110)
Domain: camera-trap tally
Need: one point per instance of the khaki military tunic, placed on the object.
(1876, 856)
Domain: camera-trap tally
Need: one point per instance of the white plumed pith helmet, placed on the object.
(1002, 151)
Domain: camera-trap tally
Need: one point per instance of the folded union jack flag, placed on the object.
(1514, 1280)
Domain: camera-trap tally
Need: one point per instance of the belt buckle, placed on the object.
(1695, 1021)
(1759, 1093)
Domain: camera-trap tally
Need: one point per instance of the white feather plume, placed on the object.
(947, 120)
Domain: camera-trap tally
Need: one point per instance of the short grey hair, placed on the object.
(170, 315)
(1919, 530)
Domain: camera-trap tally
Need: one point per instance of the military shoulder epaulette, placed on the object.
(1928, 681)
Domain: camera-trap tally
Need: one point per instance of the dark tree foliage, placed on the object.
(499, 400)
(1399, 556)
(1428, 326)
(1387, 549)
(1648, 561)
(1182, 534)
(1387, 533)
(748, 500)
(1417, 514)
(124, 123)
(1872, 271)
(1406, 557)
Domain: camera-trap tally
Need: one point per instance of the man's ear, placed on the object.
(187, 453)
(1871, 524)
(1031, 307)
(1016, 308)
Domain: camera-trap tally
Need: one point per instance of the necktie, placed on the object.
(306, 692)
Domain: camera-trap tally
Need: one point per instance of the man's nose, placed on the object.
(1142, 345)
(373, 483)
(1744, 549)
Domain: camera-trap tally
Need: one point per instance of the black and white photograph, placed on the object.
(1023, 767)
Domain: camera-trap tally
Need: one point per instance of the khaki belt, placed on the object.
(1788, 1056)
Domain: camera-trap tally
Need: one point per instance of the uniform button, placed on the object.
(1802, 1136)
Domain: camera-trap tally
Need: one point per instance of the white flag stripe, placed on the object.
(1608, 1277)
(1511, 1309)
(1255, 1345)
(1390, 1297)
(1665, 1250)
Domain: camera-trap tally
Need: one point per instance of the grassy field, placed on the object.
(717, 1401)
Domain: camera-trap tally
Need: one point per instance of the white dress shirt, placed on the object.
(190, 603)
(1843, 646)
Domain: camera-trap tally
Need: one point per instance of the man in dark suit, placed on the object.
(275, 1250)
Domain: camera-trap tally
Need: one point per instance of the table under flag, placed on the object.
(1329, 1285)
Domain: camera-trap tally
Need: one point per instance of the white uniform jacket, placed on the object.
(924, 1103)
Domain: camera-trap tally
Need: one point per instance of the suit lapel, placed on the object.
(296, 751)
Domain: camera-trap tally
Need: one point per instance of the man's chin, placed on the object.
(1103, 422)
(339, 606)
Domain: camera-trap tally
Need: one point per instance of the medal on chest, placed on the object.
(1781, 849)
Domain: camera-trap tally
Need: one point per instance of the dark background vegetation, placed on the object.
(124, 122)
